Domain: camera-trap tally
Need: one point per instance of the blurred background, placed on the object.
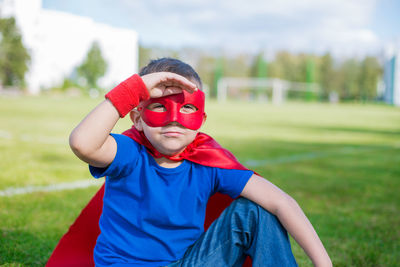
(305, 92)
(331, 51)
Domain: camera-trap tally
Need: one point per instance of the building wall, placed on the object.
(58, 42)
(396, 80)
(391, 74)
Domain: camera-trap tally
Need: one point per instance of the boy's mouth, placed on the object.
(172, 133)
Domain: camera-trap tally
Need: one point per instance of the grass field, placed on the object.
(340, 162)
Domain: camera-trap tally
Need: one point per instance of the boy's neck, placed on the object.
(167, 163)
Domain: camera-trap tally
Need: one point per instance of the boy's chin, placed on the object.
(171, 152)
(171, 149)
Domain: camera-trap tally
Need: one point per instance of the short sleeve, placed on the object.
(125, 159)
(231, 182)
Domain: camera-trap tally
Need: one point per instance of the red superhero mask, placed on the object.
(173, 106)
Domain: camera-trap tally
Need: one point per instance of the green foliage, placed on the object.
(328, 79)
(14, 57)
(284, 66)
(218, 74)
(93, 67)
(310, 70)
(368, 78)
(352, 79)
(350, 73)
(144, 56)
(67, 84)
(259, 66)
(289, 66)
(205, 68)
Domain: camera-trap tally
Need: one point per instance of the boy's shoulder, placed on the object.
(126, 145)
(123, 139)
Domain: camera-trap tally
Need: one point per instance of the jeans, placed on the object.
(244, 228)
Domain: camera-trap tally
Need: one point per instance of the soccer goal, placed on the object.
(263, 89)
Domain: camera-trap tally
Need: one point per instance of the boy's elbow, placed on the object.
(78, 145)
(74, 144)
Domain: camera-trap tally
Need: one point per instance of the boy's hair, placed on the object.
(171, 65)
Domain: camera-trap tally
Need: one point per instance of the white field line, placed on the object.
(304, 156)
(5, 134)
(49, 140)
(314, 155)
(249, 163)
(12, 191)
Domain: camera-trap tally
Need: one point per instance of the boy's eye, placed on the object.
(188, 108)
(156, 107)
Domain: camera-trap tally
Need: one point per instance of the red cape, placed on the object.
(76, 246)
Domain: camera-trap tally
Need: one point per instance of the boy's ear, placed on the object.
(135, 118)
(204, 119)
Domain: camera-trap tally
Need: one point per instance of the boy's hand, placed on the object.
(167, 83)
(129, 93)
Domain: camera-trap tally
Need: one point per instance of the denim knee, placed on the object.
(253, 214)
(244, 204)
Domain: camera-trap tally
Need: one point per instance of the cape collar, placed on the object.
(203, 150)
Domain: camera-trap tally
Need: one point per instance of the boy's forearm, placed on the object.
(299, 227)
(90, 140)
(273, 199)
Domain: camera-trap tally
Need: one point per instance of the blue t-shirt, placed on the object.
(152, 214)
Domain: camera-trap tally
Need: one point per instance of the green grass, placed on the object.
(340, 162)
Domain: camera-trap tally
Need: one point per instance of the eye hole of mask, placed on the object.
(188, 108)
(156, 107)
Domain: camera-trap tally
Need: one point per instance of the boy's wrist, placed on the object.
(127, 95)
(323, 262)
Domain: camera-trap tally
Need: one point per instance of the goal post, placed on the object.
(276, 88)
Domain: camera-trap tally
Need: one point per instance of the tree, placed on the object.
(369, 75)
(259, 66)
(288, 67)
(145, 55)
(93, 67)
(14, 57)
(308, 65)
(350, 71)
(218, 74)
(327, 75)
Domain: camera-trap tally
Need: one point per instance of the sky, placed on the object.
(341, 27)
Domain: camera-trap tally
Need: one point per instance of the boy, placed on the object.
(156, 192)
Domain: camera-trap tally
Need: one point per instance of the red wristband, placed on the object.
(127, 95)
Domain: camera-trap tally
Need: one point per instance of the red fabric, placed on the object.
(127, 95)
(203, 150)
(76, 247)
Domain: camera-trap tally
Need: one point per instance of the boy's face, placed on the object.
(171, 123)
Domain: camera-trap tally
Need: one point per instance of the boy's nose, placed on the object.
(173, 114)
(175, 123)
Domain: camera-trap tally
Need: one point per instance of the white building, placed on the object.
(391, 74)
(58, 42)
